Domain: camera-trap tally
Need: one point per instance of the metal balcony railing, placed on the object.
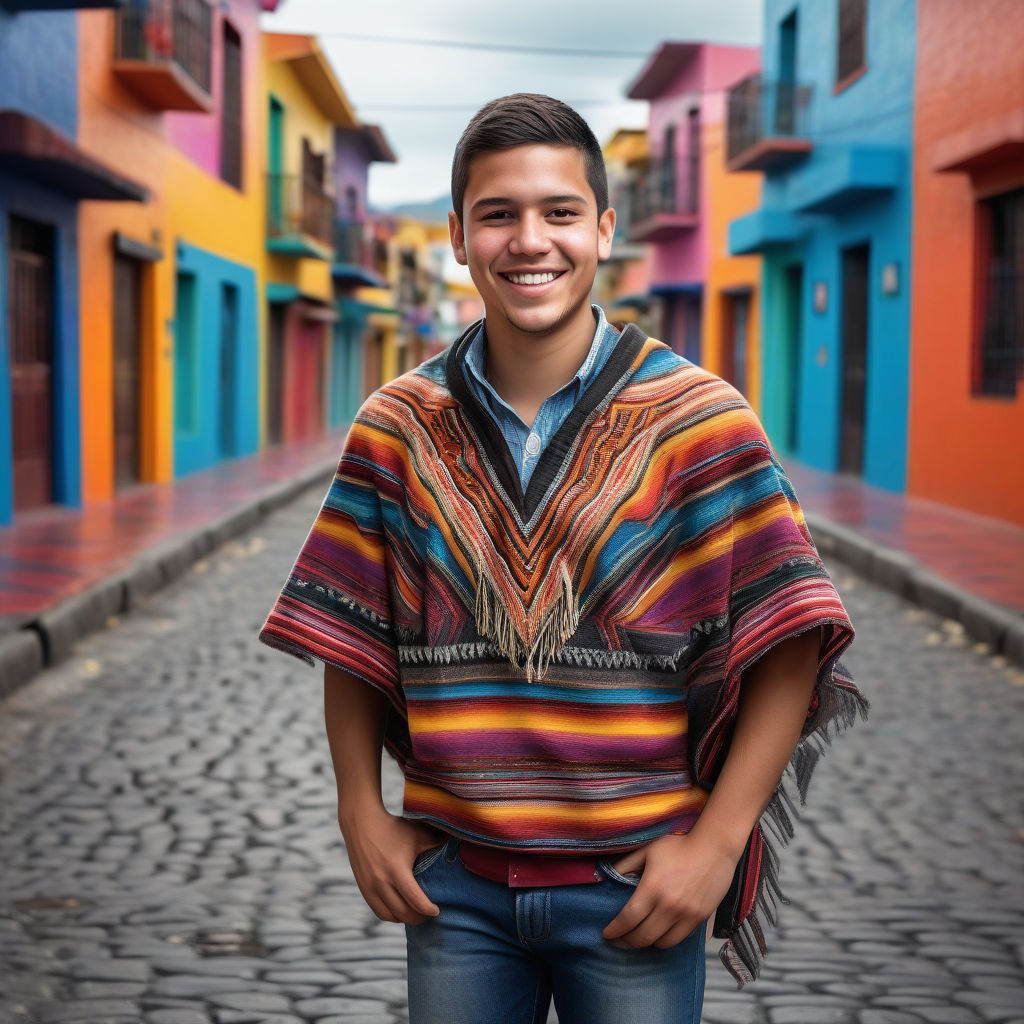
(665, 188)
(299, 206)
(158, 31)
(351, 245)
(760, 111)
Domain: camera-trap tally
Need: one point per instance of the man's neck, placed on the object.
(525, 369)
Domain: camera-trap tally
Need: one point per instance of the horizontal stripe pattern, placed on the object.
(563, 678)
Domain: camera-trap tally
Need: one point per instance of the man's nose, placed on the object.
(530, 235)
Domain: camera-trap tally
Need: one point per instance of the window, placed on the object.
(231, 109)
(999, 331)
(852, 22)
(667, 175)
(693, 159)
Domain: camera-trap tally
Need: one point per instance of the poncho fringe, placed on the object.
(745, 947)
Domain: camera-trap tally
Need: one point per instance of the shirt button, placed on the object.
(532, 444)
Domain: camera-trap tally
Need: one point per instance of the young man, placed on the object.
(592, 621)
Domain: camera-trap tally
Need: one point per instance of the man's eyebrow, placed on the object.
(492, 201)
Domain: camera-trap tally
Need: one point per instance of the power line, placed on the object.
(462, 107)
(468, 44)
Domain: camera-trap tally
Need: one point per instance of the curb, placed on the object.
(49, 637)
(996, 625)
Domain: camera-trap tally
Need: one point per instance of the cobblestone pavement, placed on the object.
(169, 851)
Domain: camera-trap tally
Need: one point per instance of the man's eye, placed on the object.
(562, 214)
(497, 215)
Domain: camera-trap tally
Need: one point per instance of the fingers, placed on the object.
(629, 917)
(415, 898)
(632, 863)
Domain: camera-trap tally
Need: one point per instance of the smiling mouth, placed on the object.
(544, 278)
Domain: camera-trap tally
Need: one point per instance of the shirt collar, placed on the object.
(476, 355)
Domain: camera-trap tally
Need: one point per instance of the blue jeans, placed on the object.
(497, 955)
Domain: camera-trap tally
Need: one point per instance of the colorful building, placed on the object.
(303, 104)
(360, 262)
(967, 279)
(622, 284)
(682, 202)
(46, 177)
(169, 315)
(829, 121)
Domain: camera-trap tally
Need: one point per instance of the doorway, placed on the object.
(793, 290)
(854, 368)
(30, 307)
(127, 375)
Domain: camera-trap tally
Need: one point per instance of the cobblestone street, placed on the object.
(170, 852)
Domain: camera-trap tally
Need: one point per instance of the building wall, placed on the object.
(23, 198)
(965, 449)
(199, 446)
(684, 258)
(351, 171)
(872, 111)
(191, 208)
(198, 136)
(45, 90)
(730, 195)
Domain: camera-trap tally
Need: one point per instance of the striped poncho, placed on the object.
(563, 665)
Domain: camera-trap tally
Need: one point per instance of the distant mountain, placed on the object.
(434, 211)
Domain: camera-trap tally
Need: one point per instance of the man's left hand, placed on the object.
(684, 879)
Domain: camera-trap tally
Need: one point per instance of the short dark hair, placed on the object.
(523, 119)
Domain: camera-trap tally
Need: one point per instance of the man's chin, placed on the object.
(541, 326)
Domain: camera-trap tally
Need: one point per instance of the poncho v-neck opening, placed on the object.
(551, 461)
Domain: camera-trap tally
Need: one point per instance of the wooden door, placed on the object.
(793, 298)
(854, 359)
(307, 394)
(227, 442)
(275, 374)
(127, 347)
(30, 309)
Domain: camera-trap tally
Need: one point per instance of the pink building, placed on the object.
(676, 203)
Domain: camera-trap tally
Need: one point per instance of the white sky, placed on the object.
(386, 80)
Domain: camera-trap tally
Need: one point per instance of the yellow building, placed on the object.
(304, 102)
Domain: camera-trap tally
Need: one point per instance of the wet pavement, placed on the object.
(170, 852)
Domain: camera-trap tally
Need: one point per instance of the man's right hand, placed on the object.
(382, 849)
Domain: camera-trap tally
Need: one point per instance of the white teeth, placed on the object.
(531, 278)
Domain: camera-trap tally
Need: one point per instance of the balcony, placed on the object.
(162, 52)
(57, 5)
(300, 217)
(663, 203)
(767, 125)
(353, 257)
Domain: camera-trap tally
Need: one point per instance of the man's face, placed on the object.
(531, 236)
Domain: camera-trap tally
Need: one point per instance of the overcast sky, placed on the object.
(387, 81)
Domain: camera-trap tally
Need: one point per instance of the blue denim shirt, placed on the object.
(524, 442)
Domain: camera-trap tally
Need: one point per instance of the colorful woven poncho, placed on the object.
(563, 666)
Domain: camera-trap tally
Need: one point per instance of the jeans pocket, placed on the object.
(606, 866)
(428, 857)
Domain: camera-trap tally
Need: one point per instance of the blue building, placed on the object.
(829, 120)
(43, 177)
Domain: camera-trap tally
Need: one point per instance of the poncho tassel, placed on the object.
(542, 642)
(745, 946)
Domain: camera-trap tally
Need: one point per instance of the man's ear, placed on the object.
(458, 237)
(605, 231)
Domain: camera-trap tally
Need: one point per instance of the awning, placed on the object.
(32, 149)
(352, 273)
(846, 175)
(311, 307)
(763, 229)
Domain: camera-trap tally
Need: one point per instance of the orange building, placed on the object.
(966, 445)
